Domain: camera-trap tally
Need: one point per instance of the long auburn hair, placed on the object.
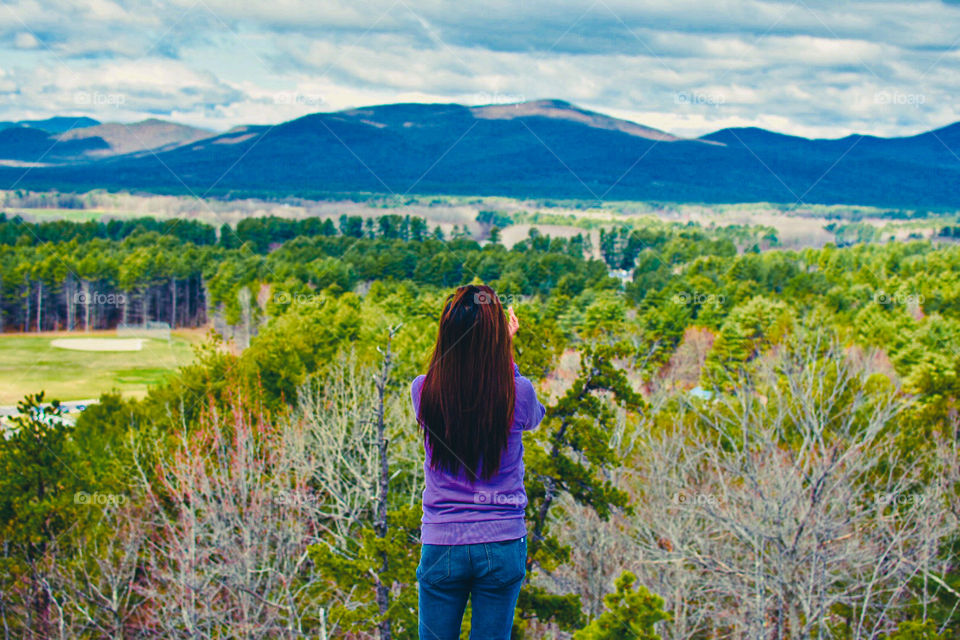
(466, 402)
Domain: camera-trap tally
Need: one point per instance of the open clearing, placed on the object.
(33, 362)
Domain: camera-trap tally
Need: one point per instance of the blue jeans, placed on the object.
(490, 573)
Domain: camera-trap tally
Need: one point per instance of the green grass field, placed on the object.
(29, 364)
(73, 215)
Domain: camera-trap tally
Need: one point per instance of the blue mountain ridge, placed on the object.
(546, 148)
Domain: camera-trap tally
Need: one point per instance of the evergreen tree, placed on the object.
(631, 613)
(570, 455)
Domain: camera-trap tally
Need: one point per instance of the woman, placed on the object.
(473, 406)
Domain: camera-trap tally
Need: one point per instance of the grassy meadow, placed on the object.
(29, 363)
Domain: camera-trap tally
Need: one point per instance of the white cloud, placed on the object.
(25, 40)
(688, 66)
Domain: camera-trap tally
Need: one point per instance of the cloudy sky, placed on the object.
(808, 67)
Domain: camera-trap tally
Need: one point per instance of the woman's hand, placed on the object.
(513, 323)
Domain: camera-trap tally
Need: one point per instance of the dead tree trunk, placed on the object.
(173, 303)
(86, 304)
(69, 299)
(144, 305)
(26, 316)
(383, 590)
(39, 305)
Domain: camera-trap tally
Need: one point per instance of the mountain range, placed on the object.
(544, 148)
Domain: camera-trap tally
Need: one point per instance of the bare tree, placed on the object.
(97, 578)
(383, 590)
(226, 549)
(344, 426)
(788, 509)
(330, 441)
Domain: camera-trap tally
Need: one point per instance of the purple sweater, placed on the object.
(457, 511)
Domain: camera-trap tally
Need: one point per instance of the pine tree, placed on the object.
(630, 614)
(570, 456)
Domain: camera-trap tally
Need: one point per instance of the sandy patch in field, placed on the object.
(99, 344)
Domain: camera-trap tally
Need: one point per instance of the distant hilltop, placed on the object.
(543, 148)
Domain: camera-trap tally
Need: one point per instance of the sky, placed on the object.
(805, 67)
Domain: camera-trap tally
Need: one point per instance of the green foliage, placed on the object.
(570, 455)
(565, 610)
(915, 630)
(749, 329)
(15, 228)
(539, 341)
(605, 316)
(53, 474)
(38, 476)
(494, 218)
(315, 291)
(629, 614)
(355, 575)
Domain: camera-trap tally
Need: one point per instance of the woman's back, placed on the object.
(472, 407)
(458, 509)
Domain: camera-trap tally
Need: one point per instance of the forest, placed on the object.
(741, 441)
